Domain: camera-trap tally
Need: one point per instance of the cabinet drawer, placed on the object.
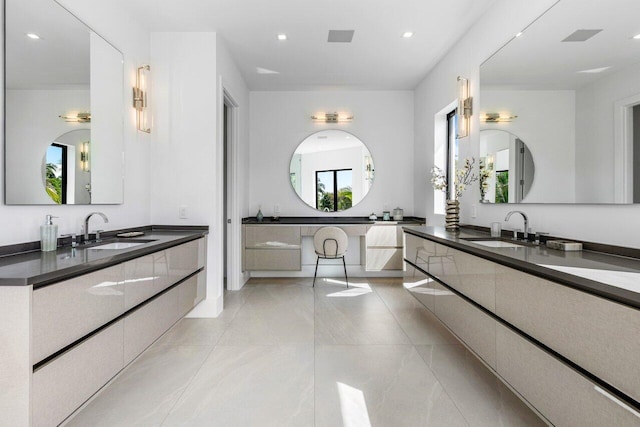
(139, 283)
(599, 335)
(384, 259)
(62, 385)
(351, 230)
(384, 235)
(272, 259)
(67, 311)
(191, 293)
(275, 236)
(143, 326)
(421, 286)
(470, 324)
(468, 274)
(562, 395)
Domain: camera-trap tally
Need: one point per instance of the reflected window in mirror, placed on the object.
(331, 170)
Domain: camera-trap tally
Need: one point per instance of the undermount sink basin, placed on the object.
(120, 245)
(494, 243)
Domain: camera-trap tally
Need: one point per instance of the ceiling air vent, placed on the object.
(581, 35)
(340, 36)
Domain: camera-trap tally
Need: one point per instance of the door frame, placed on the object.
(234, 229)
(623, 149)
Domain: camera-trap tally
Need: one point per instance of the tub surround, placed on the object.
(27, 265)
(609, 276)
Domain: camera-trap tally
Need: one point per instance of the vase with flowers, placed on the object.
(484, 172)
(464, 176)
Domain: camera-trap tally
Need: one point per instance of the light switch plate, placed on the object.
(182, 212)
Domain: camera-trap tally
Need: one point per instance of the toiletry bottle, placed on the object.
(49, 235)
(259, 216)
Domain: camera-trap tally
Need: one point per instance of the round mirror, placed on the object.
(331, 170)
(506, 167)
(66, 170)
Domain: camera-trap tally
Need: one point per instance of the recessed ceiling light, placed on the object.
(519, 34)
(282, 36)
(407, 34)
(33, 36)
(261, 70)
(637, 37)
(595, 70)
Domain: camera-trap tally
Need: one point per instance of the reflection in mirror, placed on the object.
(331, 170)
(572, 81)
(63, 94)
(66, 172)
(506, 167)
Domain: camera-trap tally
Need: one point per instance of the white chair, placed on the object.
(330, 243)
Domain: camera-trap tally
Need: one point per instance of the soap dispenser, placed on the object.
(49, 235)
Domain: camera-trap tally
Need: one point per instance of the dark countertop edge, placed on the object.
(588, 246)
(333, 220)
(41, 280)
(18, 248)
(610, 292)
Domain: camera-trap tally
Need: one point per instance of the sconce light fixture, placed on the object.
(465, 111)
(368, 169)
(76, 117)
(140, 103)
(84, 156)
(497, 118)
(332, 118)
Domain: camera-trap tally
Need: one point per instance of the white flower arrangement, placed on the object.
(485, 173)
(463, 177)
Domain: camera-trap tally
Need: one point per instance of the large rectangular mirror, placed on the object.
(63, 109)
(567, 90)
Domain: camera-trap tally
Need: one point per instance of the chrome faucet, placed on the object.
(526, 222)
(86, 224)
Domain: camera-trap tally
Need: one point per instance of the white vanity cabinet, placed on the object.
(88, 328)
(384, 247)
(564, 351)
(67, 311)
(280, 246)
(272, 247)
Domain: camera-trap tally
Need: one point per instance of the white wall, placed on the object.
(586, 222)
(595, 132)
(21, 223)
(546, 124)
(383, 121)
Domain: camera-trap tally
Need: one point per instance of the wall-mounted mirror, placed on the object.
(331, 170)
(571, 79)
(506, 168)
(56, 66)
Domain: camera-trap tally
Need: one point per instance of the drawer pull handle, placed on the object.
(616, 400)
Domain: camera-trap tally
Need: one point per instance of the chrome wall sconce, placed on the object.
(76, 117)
(368, 169)
(497, 118)
(140, 99)
(332, 118)
(84, 156)
(465, 107)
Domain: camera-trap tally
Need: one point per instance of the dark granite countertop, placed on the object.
(42, 268)
(610, 276)
(331, 220)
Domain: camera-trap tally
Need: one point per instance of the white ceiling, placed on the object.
(378, 58)
(538, 59)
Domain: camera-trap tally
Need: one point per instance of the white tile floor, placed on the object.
(285, 354)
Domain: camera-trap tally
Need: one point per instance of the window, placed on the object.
(334, 189)
(452, 153)
(56, 173)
